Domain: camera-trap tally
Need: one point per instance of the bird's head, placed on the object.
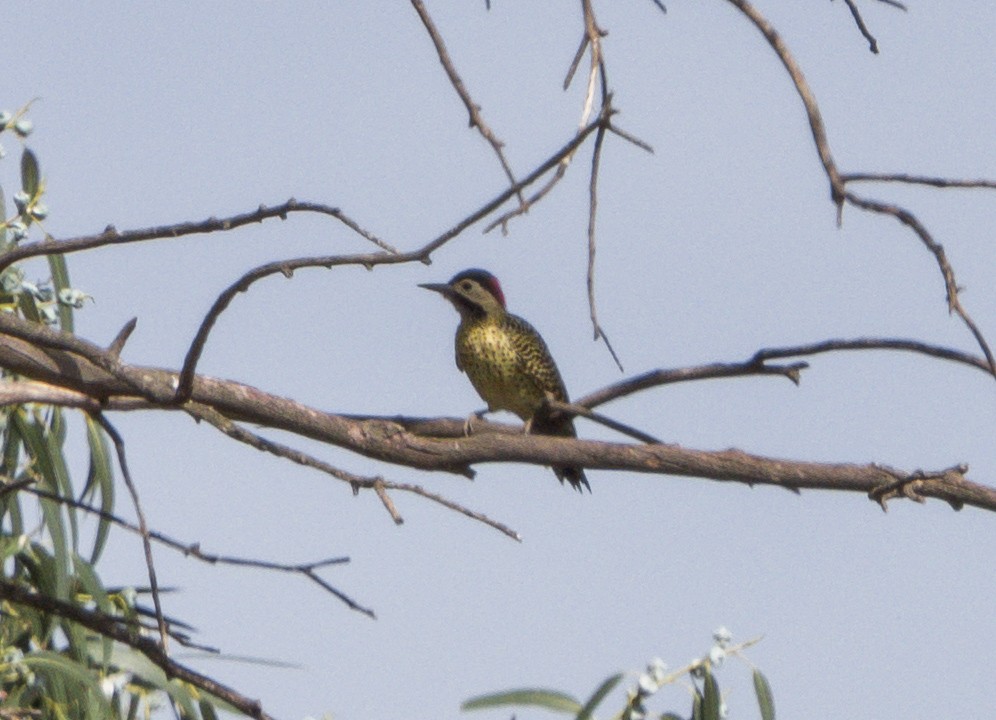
(473, 293)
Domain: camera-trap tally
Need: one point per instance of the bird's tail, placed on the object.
(558, 426)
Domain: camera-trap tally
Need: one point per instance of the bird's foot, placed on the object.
(468, 424)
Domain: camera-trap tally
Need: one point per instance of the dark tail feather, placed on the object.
(573, 475)
(553, 426)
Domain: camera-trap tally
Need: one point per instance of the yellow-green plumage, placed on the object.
(508, 364)
(507, 361)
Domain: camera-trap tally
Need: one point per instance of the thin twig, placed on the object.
(473, 515)
(910, 220)
(760, 364)
(357, 482)
(816, 125)
(473, 109)
(576, 61)
(592, 212)
(387, 502)
(12, 487)
(143, 526)
(524, 207)
(859, 21)
(919, 180)
(574, 409)
(195, 551)
(111, 236)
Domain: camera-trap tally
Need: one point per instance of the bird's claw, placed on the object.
(468, 424)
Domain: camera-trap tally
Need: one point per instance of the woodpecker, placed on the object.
(507, 361)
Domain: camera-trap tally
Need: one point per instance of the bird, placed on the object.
(507, 361)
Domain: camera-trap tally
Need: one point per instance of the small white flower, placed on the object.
(717, 655)
(23, 127)
(722, 636)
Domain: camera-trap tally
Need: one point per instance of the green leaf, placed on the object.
(28, 307)
(534, 697)
(54, 462)
(710, 697)
(61, 671)
(30, 175)
(100, 478)
(90, 584)
(36, 444)
(3, 216)
(60, 281)
(181, 694)
(607, 686)
(671, 716)
(207, 710)
(765, 700)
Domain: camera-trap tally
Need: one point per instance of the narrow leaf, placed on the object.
(3, 216)
(180, 692)
(548, 699)
(30, 175)
(37, 447)
(58, 666)
(710, 697)
(765, 700)
(55, 463)
(598, 696)
(28, 307)
(60, 281)
(100, 478)
(207, 710)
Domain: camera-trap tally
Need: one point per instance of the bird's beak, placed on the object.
(442, 288)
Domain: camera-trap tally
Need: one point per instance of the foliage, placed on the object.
(50, 664)
(706, 696)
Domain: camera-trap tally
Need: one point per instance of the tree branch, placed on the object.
(111, 236)
(473, 109)
(389, 440)
(838, 191)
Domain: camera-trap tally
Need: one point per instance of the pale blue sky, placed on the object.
(721, 243)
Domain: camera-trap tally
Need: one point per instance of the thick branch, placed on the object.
(389, 440)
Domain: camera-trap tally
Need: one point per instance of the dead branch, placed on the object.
(143, 527)
(473, 109)
(937, 182)
(389, 440)
(838, 191)
(111, 236)
(195, 551)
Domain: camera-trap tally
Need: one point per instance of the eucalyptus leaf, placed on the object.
(60, 280)
(607, 686)
(36, 444)
(30, 174)
(765, 700)
(100, 478)
(711, 698)
(527, 697)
